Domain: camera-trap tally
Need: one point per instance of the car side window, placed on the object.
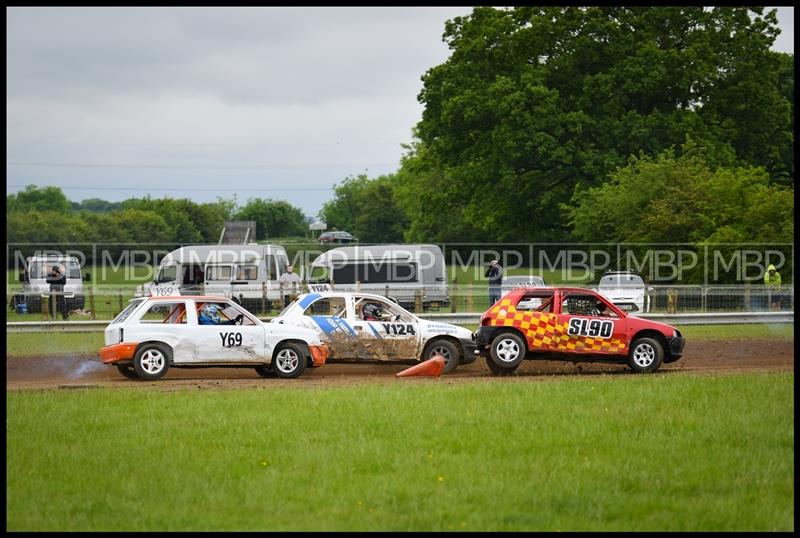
(165, 312)
(389, 311)
(540, 301)
(219, 313)
(328, 306)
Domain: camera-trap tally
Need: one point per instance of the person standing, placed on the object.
(290, 285)
(772, 280)
(57, 280)
(495, 275)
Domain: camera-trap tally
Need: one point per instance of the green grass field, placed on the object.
(675, 453)
(21, 344)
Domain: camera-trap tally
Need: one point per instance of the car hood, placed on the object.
(292, 331)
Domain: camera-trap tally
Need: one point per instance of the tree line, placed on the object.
(45, 215)
(599, 123)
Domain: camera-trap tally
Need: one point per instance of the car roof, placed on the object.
(325, 294)
(553, 288)
(191, 297)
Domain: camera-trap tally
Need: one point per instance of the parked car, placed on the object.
(336, 237)
(362, 327)
(572, 324)
(626, 289)
(153, 334)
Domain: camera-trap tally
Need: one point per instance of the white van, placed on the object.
(35, 285)
(397, 271)
(246, 273)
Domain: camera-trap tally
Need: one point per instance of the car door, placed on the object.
(224, 343)
(586, 329)
(395, 335)
(331, 317)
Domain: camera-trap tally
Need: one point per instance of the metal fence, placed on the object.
(106, 302)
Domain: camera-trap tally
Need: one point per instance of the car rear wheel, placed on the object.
(128, 371)
(447, 350)
(151, 361)
(645, 355)
(506, 352)
(289, 361)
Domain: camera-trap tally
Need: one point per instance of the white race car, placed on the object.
(360, 327)
(155, 333)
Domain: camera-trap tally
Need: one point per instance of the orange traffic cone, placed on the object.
(432, 367)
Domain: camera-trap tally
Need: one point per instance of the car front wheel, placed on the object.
(507, 352)
(289, 361)
(645, 355)
(447, 350)
(151, 361)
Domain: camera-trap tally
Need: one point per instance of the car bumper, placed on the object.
(118, 352)
(319, 354)
(469, 351)
(483, 337)
(675, 346)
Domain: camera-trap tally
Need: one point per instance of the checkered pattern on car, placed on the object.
(544, 333)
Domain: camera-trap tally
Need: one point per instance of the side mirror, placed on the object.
(87, 277)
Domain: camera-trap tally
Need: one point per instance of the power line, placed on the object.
(197, 167)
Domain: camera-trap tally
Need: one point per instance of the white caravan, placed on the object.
(399, 272)
(246, 273)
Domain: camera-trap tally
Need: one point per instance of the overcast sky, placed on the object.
(202, 103)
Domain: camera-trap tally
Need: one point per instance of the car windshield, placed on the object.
(619, 281)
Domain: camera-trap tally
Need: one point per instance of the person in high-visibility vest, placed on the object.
(772, 280)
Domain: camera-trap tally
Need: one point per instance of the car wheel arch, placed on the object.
(513, 330)
(650, 333)
(303, 345)
(167, 347)
(450, 340)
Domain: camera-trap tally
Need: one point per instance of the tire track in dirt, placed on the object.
(77, 371)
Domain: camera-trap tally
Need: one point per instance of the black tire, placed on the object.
(151, 361)
(288, 361)
(494, 369)
(507, 351)
(265, 371)
(445, 348)
(645, 355)
(128, 371)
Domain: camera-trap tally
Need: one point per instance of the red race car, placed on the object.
(571, 324)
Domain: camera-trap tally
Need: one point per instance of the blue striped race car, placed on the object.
(364, 327)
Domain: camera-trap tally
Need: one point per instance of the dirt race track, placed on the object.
(70, 371)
